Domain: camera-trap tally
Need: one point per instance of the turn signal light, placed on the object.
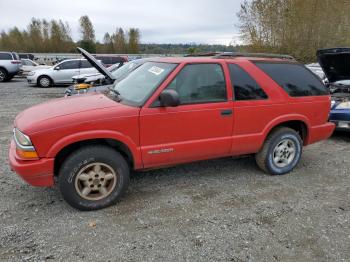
(27, 154)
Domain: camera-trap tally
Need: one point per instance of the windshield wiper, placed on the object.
(115, 93)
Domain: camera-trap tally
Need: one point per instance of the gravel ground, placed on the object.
(220, 210)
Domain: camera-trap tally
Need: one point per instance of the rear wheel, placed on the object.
(93, 178)
(3, 75)
(281, 152)
(44, 81)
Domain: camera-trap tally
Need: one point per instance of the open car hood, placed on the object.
(104, 71)
(335, 62)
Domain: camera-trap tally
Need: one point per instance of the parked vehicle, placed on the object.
(171, 111)
(109, 60)
(97, 77)
(102, 81)
(335, 63)
(26, 56)
(317, 70)
(10, 65)
(29, 66)
(61, 73)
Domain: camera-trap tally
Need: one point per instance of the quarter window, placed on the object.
(295, 79)
(5, 56)
(85, 64)
(200, 83)
(244, 86)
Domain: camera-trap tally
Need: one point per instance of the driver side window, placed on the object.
(200, 83)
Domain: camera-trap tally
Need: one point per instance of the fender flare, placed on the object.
(97, 134)
(287, 118)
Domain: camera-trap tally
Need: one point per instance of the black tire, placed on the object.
(266, 157)
(83, 158)
(3, 75)
(44, 81)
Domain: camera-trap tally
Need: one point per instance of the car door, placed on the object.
(64, 71)
(87, 68)
(199, 128)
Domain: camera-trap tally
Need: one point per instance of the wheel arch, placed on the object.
(298, 123)
(4, 68)
(63, 148)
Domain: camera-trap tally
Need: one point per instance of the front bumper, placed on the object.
(32, 80)
(341, 118)
(35, 172)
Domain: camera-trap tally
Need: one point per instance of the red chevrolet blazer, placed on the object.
(171, 111)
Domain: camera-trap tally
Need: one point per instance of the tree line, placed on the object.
(295, 27)
(55, 36)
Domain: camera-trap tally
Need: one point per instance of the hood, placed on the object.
(43, 70)
(335, 63)
(103, 70)
(67, 111)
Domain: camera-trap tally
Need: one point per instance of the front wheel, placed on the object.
(93, 178)
(281, 152)
(44, 81)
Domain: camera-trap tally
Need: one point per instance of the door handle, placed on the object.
(227, 112)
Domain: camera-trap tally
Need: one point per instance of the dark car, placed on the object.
(109, 60)
(335, 63)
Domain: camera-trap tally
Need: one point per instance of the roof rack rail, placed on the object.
(258, 55)
(204, 54)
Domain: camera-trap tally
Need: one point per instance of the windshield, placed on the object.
(141, 82)
(114, 67)
(127, 68)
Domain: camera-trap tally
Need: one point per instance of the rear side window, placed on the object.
(295, 79)
(73, 64)
(200, 83)
(85, 64)
(244, 86)
(5, 56)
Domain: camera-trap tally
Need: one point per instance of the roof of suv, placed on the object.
(216, 56)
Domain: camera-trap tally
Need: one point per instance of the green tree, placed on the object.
(35, 43)
(297, 27)
(119, 41)
(108, 44)
(88, 34)
(134, 41)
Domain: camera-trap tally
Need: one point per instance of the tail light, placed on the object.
(16, 62)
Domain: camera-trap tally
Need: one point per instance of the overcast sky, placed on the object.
(160, 21)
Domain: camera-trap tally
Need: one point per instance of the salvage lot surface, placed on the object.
(219, 210)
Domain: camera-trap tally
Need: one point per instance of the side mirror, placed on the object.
(169, 98)
(57, 68)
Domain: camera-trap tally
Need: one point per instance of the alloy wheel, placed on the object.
(284, 153)
(95, 181)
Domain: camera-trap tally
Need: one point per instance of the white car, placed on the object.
(60, 74)
(317, 70)
(29, 65)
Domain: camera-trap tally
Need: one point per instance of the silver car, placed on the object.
(10, 65)
(29, 65)
(60, 74)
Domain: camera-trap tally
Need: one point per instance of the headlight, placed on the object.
(24, 146)
(344, 105)
(31, 73)
(22, 139)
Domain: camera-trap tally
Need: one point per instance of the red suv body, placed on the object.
(167, 112)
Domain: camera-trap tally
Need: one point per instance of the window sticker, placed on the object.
(156, 70)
